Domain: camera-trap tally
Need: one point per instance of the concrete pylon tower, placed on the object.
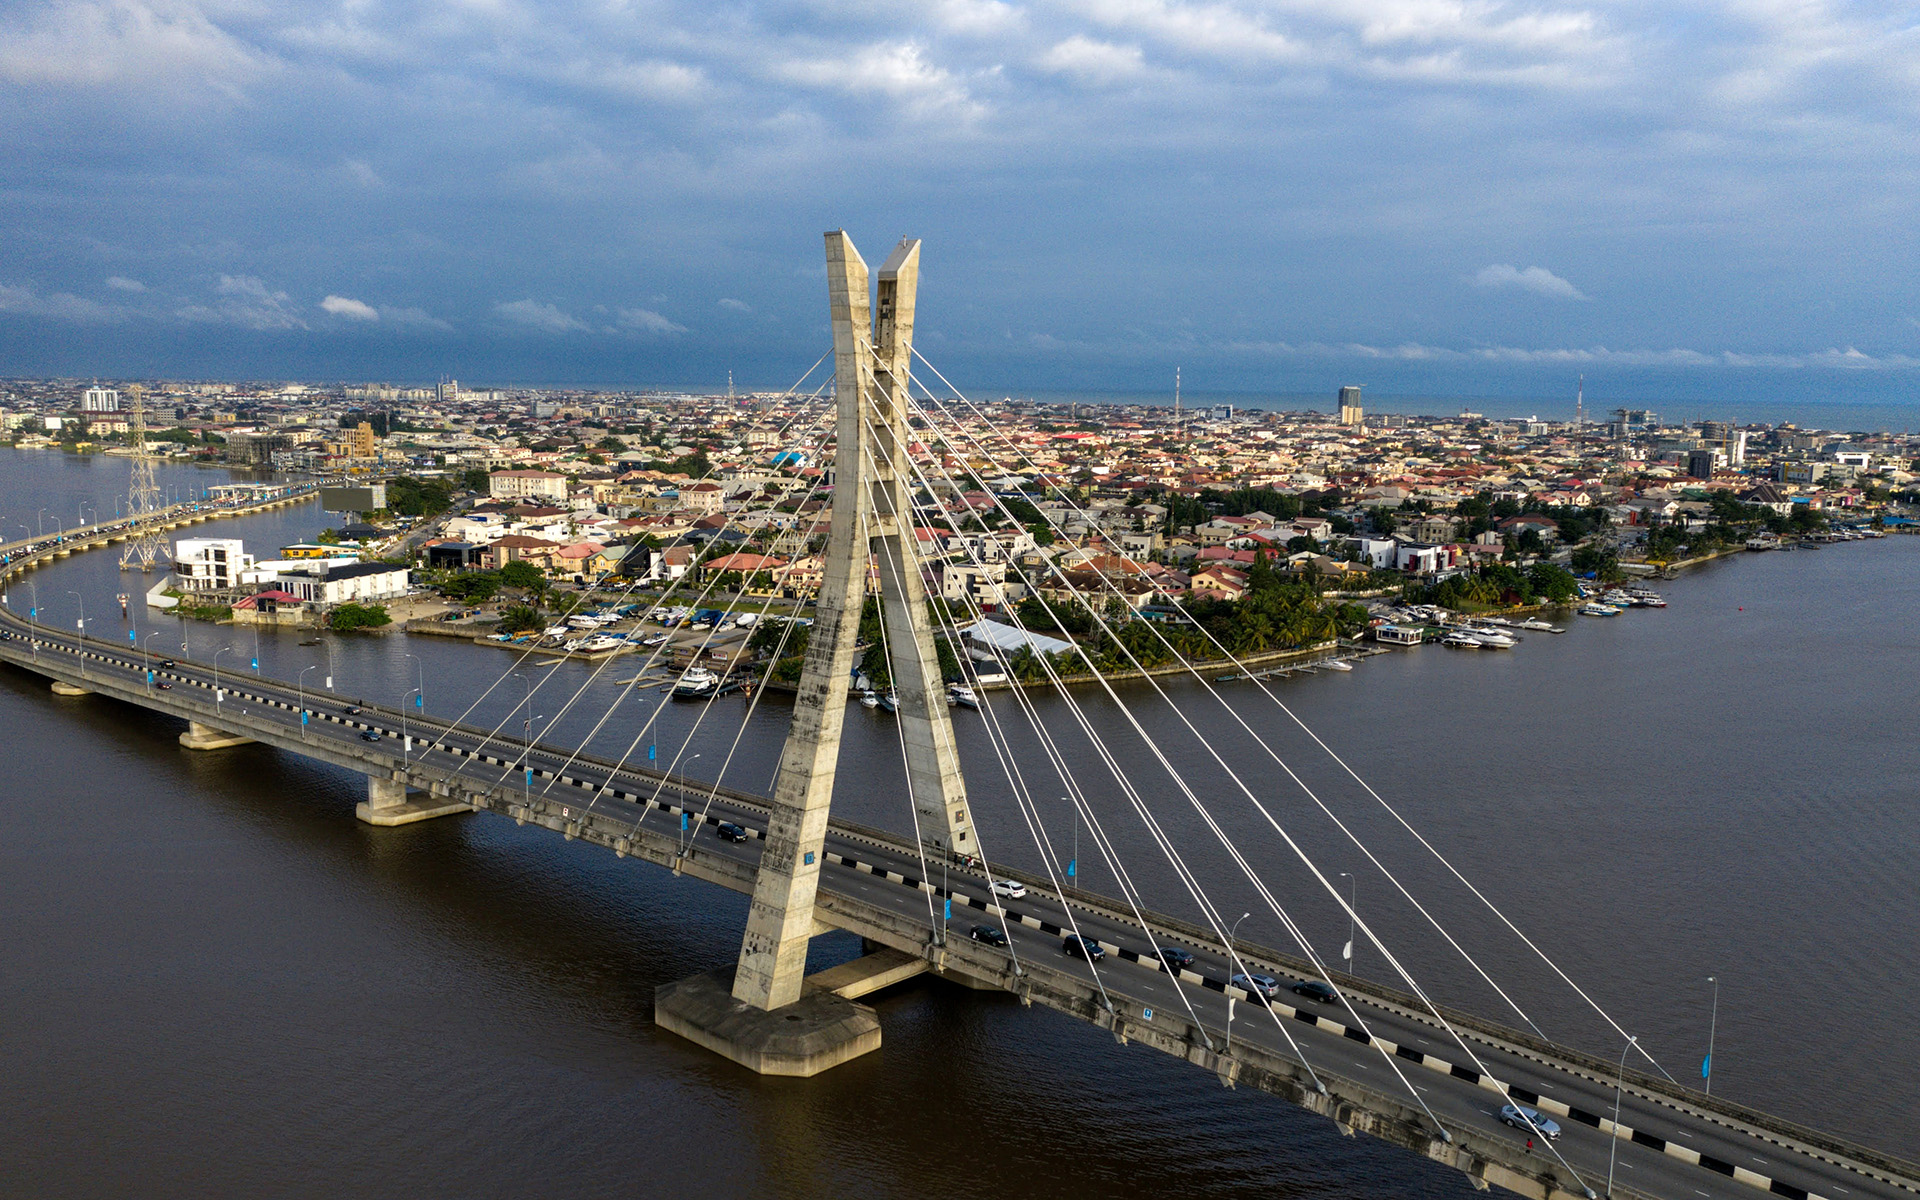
(871, 530)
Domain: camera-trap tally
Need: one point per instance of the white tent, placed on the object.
(1008, 640)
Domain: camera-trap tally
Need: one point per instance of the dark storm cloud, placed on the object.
(1259, 190)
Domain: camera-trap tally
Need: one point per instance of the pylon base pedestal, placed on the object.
(815, 1033)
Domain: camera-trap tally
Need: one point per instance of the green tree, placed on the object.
(522, 574)
(520, 617)
(358, 616)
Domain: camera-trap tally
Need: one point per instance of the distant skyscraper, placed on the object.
(1350, 413)
(99, 399)
(448, 391)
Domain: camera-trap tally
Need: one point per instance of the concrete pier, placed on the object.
(869, 973)
(815, 1033)
(206, 737)
(62, 688)
(387, 803)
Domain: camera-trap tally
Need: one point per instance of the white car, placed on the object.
(1012, 889)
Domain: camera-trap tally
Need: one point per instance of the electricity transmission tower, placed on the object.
(145, 542)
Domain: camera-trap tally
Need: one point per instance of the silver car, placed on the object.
(1518, 1116)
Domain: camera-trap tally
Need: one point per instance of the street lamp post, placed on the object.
(300, 689)
(420, 673)
(1713, 1027)
(79, 651)
(329, 664)
(1353, 886)
(216, 673)
(1613, 1143)
(526, 763)
(1230, 961)
(406, 743)
(146, 656)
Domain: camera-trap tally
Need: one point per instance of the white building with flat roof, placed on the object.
(521, 485)
(209, 564)
(99, 399)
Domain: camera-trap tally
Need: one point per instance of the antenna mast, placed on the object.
(1580, 407)
(145, 545)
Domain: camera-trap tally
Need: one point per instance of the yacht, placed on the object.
(868, 699)
(1492, 639)
(889, 701)
(601, 644)
(1461, 641)
(1591, 609)
(963, 695)
(1536, 625)
(1335, 664)
(697, 683)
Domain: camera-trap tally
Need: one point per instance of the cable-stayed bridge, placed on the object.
(1379, 1060)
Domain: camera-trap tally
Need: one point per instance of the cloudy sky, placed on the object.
(1453, 196)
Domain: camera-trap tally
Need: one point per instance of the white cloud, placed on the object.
(361, 173)
(341, 306)
(245, 301)
(1093, 60)
(1538, 280)
(123, 284)
(535, 314)
(415, 318)
(58, 306)
(899, 70)
(647, 321)
(740, 306)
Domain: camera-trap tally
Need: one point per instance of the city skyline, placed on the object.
(1477, 200)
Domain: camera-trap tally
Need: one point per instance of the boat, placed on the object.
(1536, 625)
(1335, 664)
(1591, 609)
(1461, 641)
(1395, 635)
(890, 702)
(311, 642)
(697, 683)
(600, 644)
(868, 699)
(963, 695)
(1492, 639)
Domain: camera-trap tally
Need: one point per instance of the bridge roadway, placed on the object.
(1673, 1143)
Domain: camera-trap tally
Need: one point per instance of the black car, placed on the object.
(1075, 946)
(370, 736)
(1314, 989)
(731, 832)
(989, 934)
(352, 710)
(164, 686)
(1174, 958)
(167, 664)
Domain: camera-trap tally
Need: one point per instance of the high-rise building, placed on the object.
(1350, 413)
(99, 399)
(449, 391)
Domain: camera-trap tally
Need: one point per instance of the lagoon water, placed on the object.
(218, 983)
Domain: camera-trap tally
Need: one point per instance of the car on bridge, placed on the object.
(164, 686)
(1258, 987)
(167, 664)
(1075, 946)
(728, 831)
(352, 710)
(989, 934)
(1519, 1115)
(1012, 889)
(1174, 958)
(371, 735)
(1314, 989)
